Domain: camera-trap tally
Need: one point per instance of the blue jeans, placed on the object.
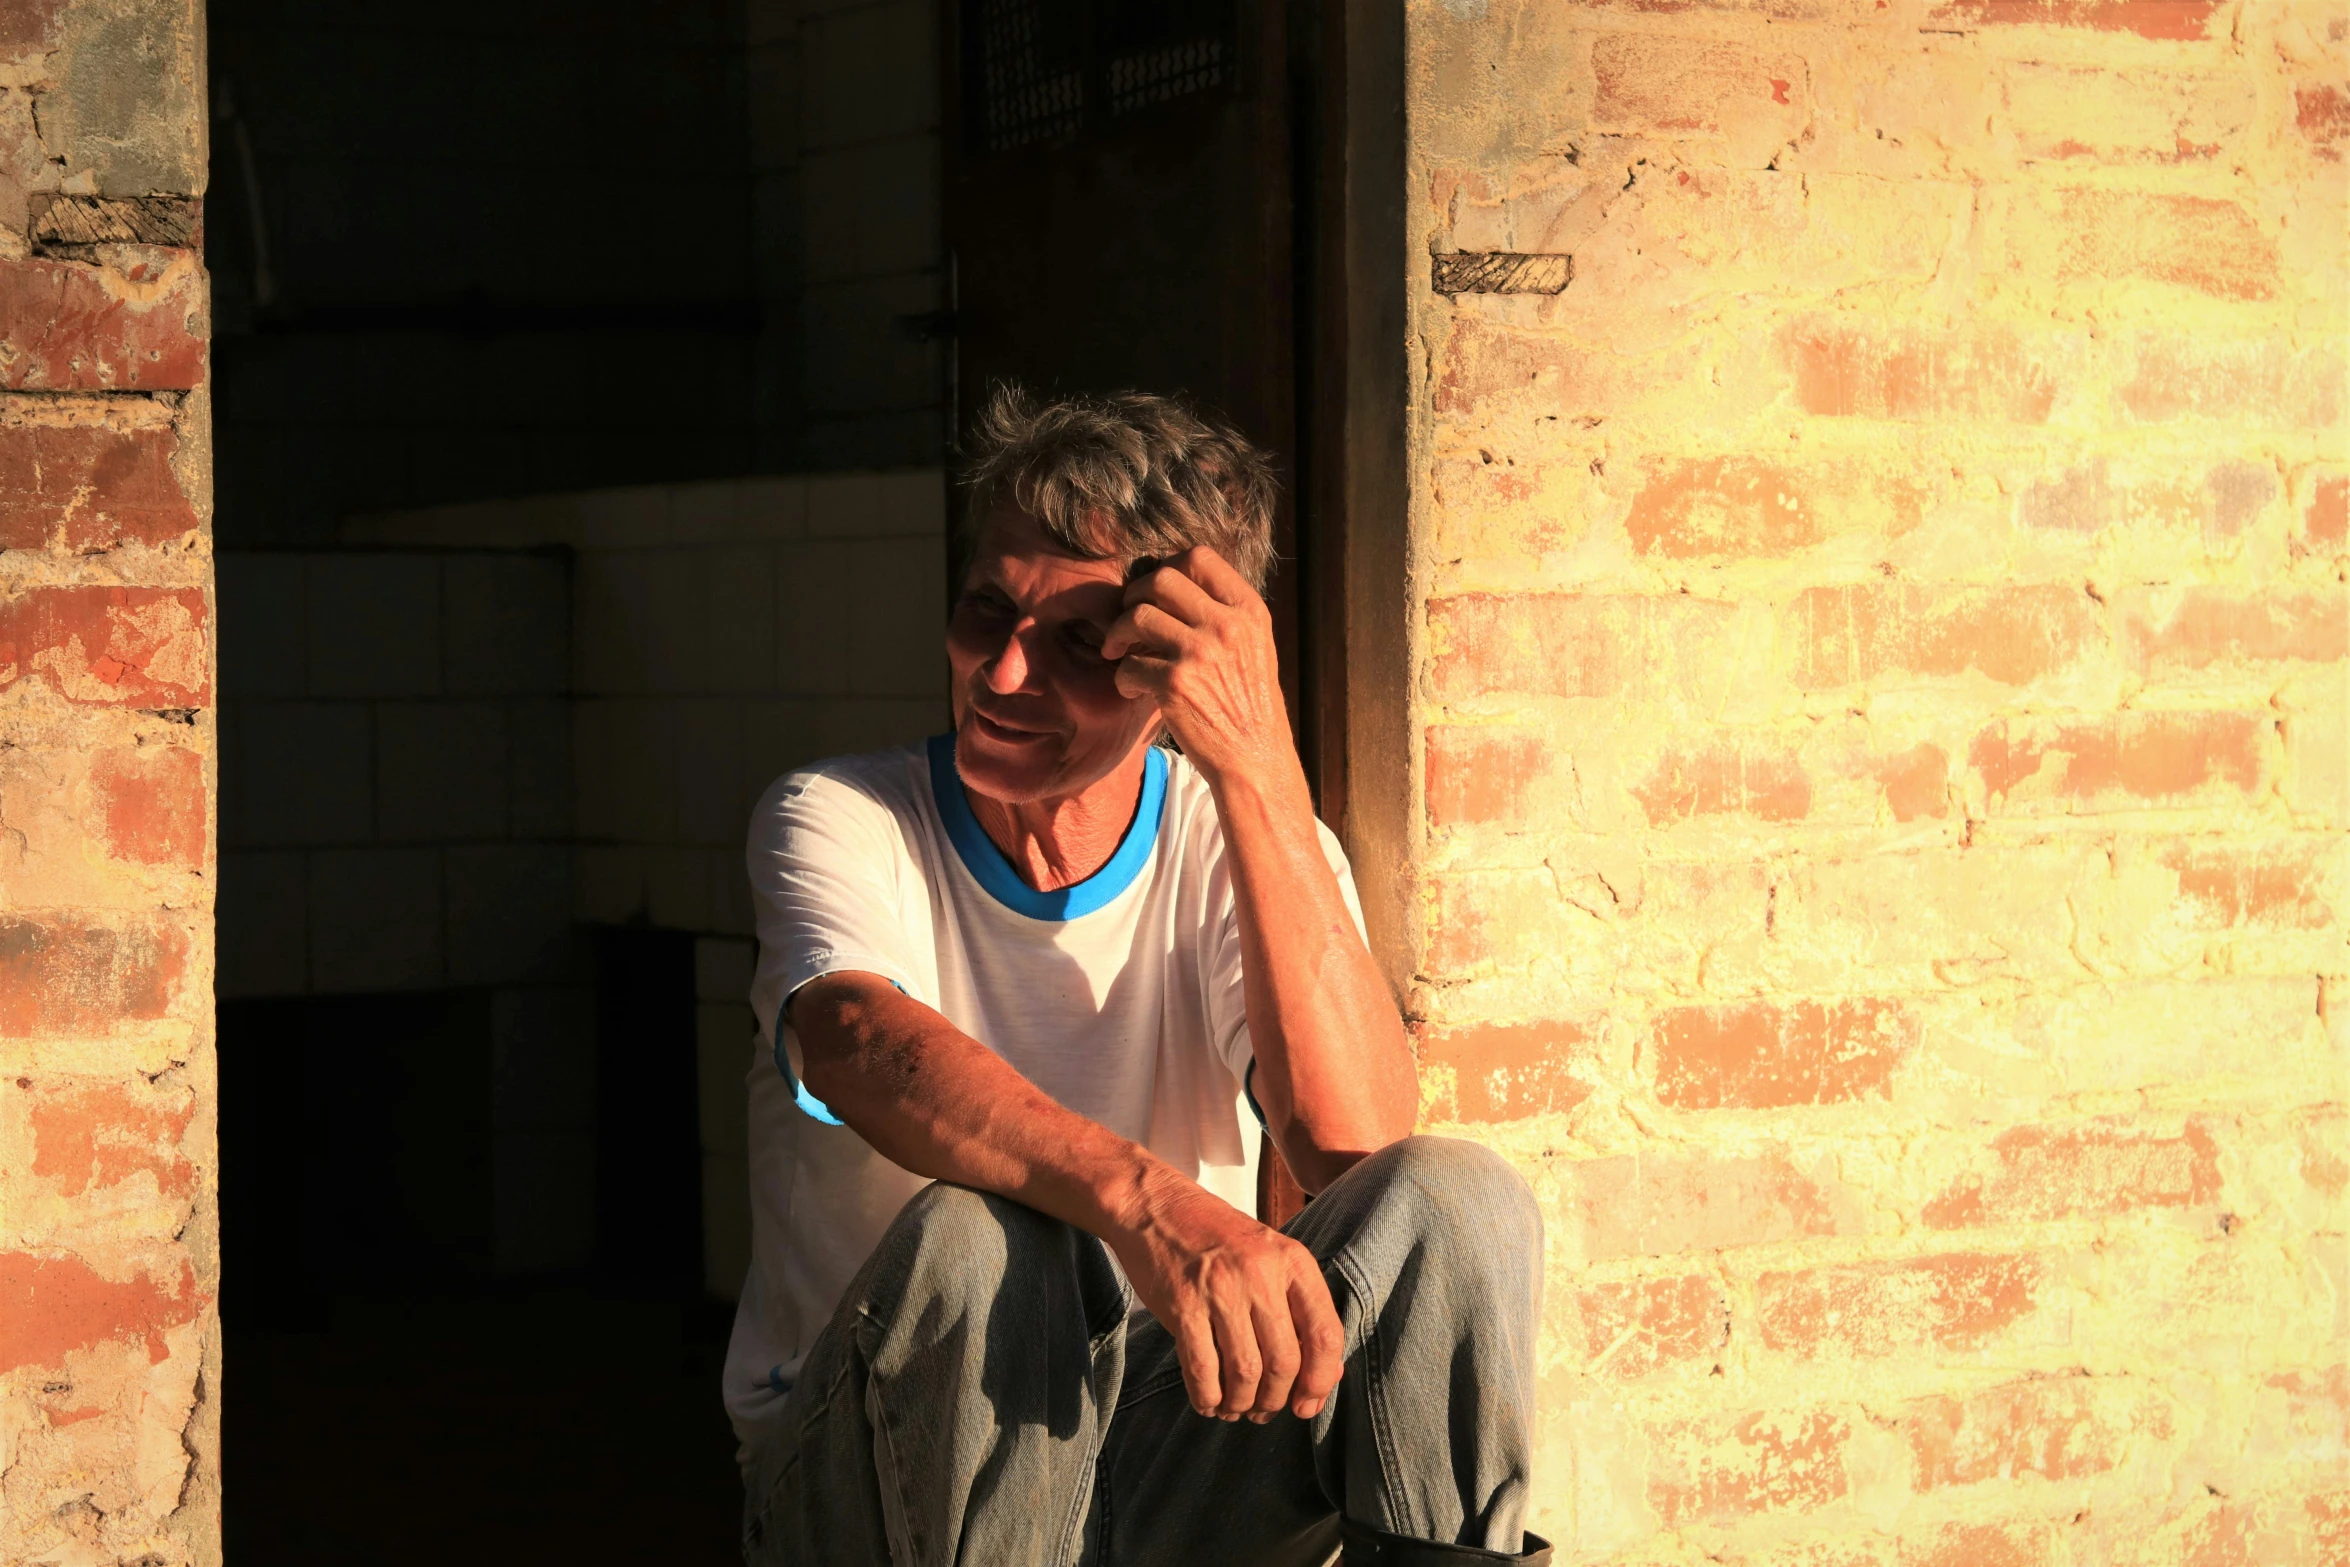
(989, 1393)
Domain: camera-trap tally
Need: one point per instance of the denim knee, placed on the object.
(1461, 1194)
(951, 1241)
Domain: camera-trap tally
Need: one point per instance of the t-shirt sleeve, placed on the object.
(825, 860)
(1227, 998)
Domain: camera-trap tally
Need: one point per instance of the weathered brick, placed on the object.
(93, 1135)
(1852, 634)
(1481, 774)
(2202, 626)
(1639, 1205)
(1746, 506)
(152, 804)
(1725, 1472)
(2091, 114)
(2172, 19)
(1758, 1055)
(1507, 1071)
(2196, 242)
(2062, 1428)
(2326, 522)
(1484, 369)
(2270, 384)
(2272, 886)
(62, 978)
(2321, 112)
(1958, 1301)
(1574, 645)
(1725, 778)
(1848, 369)
(1636, 1327)
(53, 1305)
(2089, 497)
(1916, 782)
(86, 489)
(1646, 82)
(125, 647)
(28, 24)
(67, 327)
(2093, 1170)
(2168, 757)
(2021, 1543)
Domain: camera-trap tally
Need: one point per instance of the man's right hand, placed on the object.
(1252, 1318)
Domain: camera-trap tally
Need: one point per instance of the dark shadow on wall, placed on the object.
(413, 1384)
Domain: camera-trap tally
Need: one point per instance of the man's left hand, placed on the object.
(1198, 640)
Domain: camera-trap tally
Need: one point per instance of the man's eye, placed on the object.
(983, 602)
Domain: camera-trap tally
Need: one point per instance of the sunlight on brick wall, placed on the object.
(109, 1272)
(1882, 688)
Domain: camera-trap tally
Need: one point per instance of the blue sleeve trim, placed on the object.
(1248, 1091)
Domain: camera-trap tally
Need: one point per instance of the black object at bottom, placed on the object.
(1369, 1547)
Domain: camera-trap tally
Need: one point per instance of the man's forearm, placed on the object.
(1334, 1070)
(935, 1101)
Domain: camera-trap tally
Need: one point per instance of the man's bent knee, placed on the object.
(1457, 1190)
(951, 1240)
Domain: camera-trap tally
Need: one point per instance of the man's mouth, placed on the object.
(1000, 731)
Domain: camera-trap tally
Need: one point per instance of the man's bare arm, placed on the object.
(1335, 1074)
(1252, 1319)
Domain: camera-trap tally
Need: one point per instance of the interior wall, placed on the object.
(1878, 478)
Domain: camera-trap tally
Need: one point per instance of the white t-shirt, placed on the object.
(1119, 996)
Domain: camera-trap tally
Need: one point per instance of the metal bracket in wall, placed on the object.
(1499, 272)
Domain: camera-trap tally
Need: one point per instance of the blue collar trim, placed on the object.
(991, 870)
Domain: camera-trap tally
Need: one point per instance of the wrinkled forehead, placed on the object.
(1013, 549)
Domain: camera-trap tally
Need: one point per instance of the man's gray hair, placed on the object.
(1122, 477)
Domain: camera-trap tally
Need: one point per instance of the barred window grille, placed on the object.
(1046, 70)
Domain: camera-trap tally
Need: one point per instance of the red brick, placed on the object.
(102, 1135)
(1482, 365)
(152, 804)
(128, 647)
(2207, 625)
(1958, 1301)
(1846, 370)
(1569, 644)
(2018, 1544)
(84, 979)
(2211, 246)
(89, 489)
(66, 327)
(1635, 1205)
(2264, 383)
(2329, 1518)
(2055, 1429)
(51, 1306)
(1916, 782)
(2327, 521)
(1481, 774)
(1705, 1472)
(28, 24)
(1758, 1056)
(1745, 507)
(1725, 778)
(2321, 112)
(1850, 634)
(2272, 886)
(1508, 1071)
(1638, 1327)
(2172, 19)
(2121, 757)
(1649, 82)
(2082, 1172)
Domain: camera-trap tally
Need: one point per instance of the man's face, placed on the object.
(1038, 714)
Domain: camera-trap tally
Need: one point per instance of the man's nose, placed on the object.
(1008, 671)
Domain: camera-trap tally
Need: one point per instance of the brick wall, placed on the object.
(1881, 691)
(108, 1264)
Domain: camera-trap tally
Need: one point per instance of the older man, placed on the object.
(1031, 989)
